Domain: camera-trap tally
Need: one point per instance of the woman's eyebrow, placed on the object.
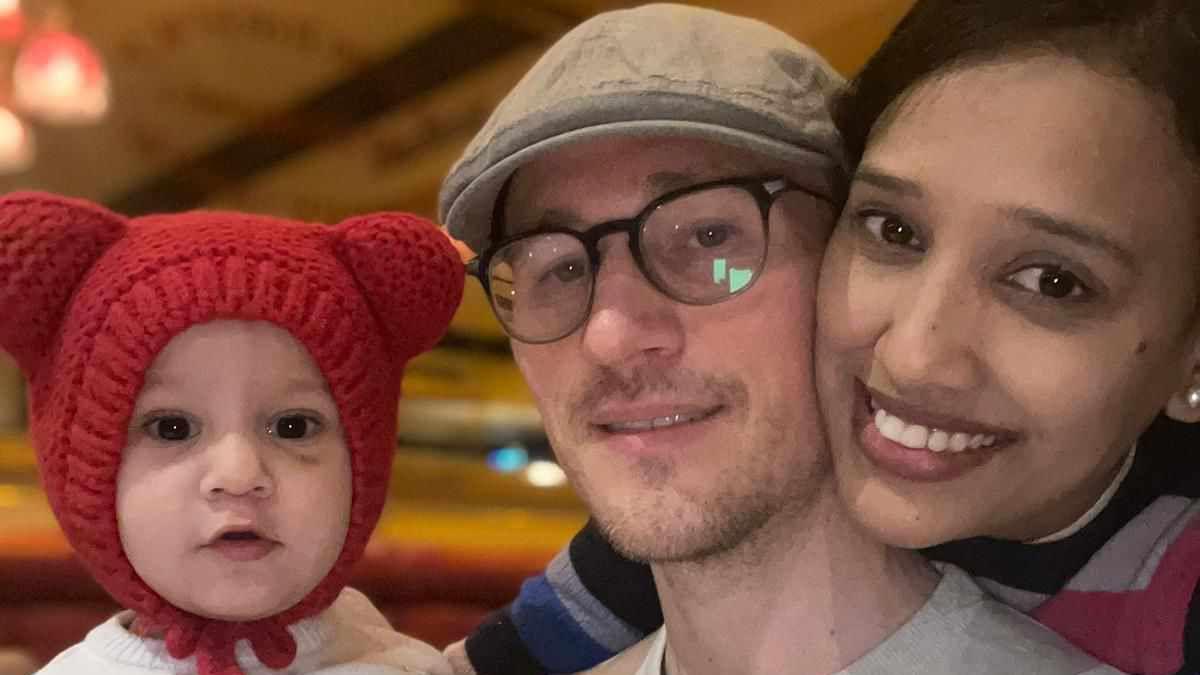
(883, 180)
(1085, 235)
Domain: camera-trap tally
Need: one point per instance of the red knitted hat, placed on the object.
(89, 299)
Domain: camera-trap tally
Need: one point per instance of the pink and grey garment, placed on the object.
(1123, 587)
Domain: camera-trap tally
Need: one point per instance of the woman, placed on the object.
(1009, 302)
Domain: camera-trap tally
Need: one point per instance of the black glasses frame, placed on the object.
(764, 189)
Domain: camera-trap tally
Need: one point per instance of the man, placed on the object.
(650, 204)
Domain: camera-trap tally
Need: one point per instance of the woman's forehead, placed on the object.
(1047, 132)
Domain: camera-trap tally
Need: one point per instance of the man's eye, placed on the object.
(710, 236)
(564, 271)
(568, 271)
(891, 230)
(1050, 281)
(294, 426)
(170, 428)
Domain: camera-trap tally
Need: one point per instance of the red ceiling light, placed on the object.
(16, 142)
(12, 20)
(47, 73)
(58, 78)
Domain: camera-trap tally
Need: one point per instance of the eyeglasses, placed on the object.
(698, 245)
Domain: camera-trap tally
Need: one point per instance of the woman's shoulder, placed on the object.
(1132, 603)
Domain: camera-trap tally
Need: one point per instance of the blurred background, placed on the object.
(315, 110)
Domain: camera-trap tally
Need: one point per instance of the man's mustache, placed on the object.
(610, 385)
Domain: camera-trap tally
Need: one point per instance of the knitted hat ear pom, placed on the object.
(47, 245)
(411, 274)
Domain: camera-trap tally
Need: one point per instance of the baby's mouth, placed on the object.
(243, 535)
(242, 544)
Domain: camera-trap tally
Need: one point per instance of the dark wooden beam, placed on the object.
(445, 54)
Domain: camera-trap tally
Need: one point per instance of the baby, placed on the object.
(212, 402)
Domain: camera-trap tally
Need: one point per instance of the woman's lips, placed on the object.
(914, 451)
(921, 464)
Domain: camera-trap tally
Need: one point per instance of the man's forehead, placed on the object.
(616, 178)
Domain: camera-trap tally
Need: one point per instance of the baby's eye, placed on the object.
(171, 428)
(295, 426)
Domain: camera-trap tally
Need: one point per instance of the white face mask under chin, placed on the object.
(1091, 513)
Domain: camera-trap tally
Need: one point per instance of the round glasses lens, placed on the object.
(705, 246)
(540, 285)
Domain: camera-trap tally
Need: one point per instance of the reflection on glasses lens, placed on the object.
(540, 285)
(705, 246)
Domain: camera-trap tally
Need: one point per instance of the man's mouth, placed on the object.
(657, 422)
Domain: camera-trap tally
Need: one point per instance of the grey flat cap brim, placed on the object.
(655, 71)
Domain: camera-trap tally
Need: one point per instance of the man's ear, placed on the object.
(1184, 404)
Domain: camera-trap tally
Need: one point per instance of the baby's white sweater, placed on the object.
(349, 638)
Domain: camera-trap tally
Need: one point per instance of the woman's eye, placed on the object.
(891, 230)
(170, 428)
(294, 427)
(1050, 281)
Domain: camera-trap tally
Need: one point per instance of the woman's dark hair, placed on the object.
(1153, 42)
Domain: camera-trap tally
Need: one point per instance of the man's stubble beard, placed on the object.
(665, 524)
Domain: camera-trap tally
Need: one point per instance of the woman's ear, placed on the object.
(1184, 404)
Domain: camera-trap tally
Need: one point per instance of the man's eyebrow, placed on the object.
(1080, 233)
(666, 181)
(885, 181)
(658, 183)
(549, 219)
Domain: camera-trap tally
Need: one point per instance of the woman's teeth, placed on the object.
(916, 436)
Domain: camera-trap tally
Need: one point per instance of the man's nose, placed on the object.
(631, 320)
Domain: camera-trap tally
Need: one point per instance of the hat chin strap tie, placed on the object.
(214, 643)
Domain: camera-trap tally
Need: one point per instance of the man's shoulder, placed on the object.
(628, 662)
(961, 630)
